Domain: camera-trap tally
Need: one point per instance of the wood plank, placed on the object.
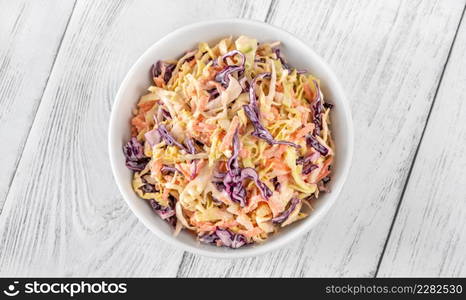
(29, 40)
(389, 55)
(64, 215)
(429, 235)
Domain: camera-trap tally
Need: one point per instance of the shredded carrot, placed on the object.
(203, 100)
(275, 151)
(227, 223)
(192, 63)
(134, 131)
(308, 94)
(243, 153)
(225, 200)
(222, 166)
(279, 87)
(192, 169)
(203, 225)
(198, 127)
(270, 153)
(304, 131)
(138, 122)
(184, 169)
(193, 107)
(304, 113)
(165, 195)
(254, 201)
(227, 140)
(279, 165)
(197, 167)
(146, 106)
(204, 127)
(276, 205)
(325, 171)
(294, 102)
(156, 168)
(283, 179)
(275, 113)
(159, 82)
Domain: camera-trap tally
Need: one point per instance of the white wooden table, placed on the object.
(402, 211)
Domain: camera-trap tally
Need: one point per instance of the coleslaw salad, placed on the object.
(230, 142)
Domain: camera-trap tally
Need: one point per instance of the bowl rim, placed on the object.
(296, 232)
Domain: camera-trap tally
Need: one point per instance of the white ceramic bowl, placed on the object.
(175, 44)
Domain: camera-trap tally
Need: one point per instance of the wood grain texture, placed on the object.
(389, 56)
(64, 215)
(429, 236)
(29, 40)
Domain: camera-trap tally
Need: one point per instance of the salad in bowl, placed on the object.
(231, 143)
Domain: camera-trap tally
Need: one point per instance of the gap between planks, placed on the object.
(38, 106)
(413, 162)
(269, 11)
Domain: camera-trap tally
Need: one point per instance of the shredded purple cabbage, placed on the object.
(260, 131)
(218, 181)
(199, 143)
(233, 163)
(134, 150)
(171, 141)
(227, 238)
(250, 173)
(213, 93)
(167, 137)
(232, 54)
(314, 143)
(189, 56)
(284, 215)
(252, 112)
(162, 68)
(317, 107)
(165, 212)
(162, 115)
(328, 105)
(153, 137)
(244, 84)
(252, 90)
(326, 179)
(281, 58)
(169, 169)
(308, 166)
(239, 241)
(189, 146)
(147, 187)
(276, 183)
(166, 114)
(233, 180)
(235, 188)
(209, 238)
(134, 154)
(223, 77)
